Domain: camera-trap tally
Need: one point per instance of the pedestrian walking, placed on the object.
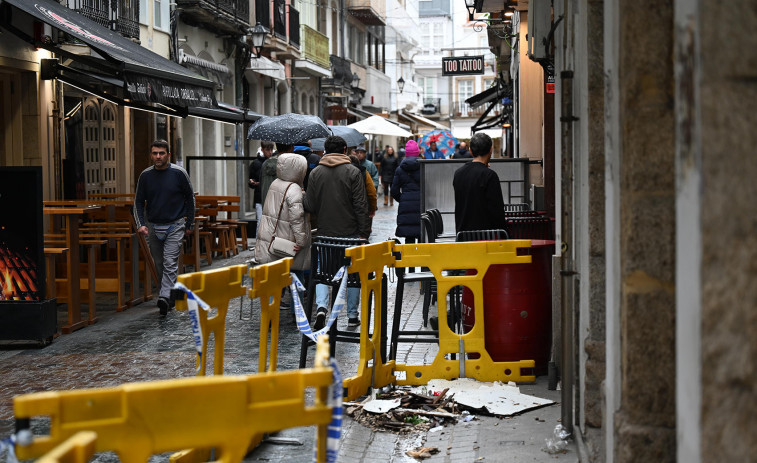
(255, 172)
(462, 152)
(284, 215)
(368, 165)
(336, 198)
(269, 168)
(434, 152)
(370, 190)
(478, 195)
(406, 189)
(389, 165)
(164, 209)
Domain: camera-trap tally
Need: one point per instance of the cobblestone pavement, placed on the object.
(137, 345)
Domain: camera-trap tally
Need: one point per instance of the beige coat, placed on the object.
(294, 223)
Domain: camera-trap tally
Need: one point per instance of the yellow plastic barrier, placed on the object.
(370, 260)
(217, 288)
(478, 255)
(78, 448)
(223, 412)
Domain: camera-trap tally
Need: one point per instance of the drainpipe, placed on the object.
(567, 265)
(343, 23)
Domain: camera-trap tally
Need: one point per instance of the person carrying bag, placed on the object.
(284, 227)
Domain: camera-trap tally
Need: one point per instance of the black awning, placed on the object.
(146, 76)
(225, 113)
(494, 93)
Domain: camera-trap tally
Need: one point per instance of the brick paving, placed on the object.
(137, 345)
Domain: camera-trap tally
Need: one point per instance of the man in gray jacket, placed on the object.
(336, 197)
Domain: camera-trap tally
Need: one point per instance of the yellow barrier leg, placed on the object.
(267, 283)
(217, 288)
(79, 448)
(370, 260)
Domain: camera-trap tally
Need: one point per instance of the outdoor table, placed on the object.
(71, 215)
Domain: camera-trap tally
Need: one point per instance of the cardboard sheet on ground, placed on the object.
(497, 398)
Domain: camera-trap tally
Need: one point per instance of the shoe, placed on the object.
(434, 322)
(163, 306)
(320, 319)
(353, 322)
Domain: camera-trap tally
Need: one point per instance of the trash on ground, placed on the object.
(423, 408)
(381, 406)
(559, 440)
(496, 398)
(405, 411)
(422, 452)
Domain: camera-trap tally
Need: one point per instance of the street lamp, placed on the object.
(355, 80)
(401, 84)
(258, 34)
(470, 5)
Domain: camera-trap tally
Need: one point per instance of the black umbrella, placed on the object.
(288, 128)
(351, 136)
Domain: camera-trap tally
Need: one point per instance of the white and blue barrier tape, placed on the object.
(193, 305)
(335, 390)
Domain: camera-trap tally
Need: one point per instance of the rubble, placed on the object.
(403, 410)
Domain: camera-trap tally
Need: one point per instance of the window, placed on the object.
(464, 89)
(161, 14)
(143, 12)
(488, 82)
(427, 83)
(432, 38)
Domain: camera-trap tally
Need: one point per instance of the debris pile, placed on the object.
(405, 410)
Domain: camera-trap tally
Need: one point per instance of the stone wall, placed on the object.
(645, 421)
(729, 229)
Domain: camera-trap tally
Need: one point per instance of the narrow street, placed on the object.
(137, 345)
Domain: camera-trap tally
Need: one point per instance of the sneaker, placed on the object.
(353, 322)
(163, 306)
(320, 319)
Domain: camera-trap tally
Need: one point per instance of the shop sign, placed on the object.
(463, 65)
(172, 93)
(335, 113)
(551, 83)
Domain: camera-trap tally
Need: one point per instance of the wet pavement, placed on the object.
(138, 345)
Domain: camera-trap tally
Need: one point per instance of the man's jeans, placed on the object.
(165, 253)
(322, 299)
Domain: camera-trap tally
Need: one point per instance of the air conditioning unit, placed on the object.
(539, 25)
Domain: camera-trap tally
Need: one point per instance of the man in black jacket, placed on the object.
(478, 194)
(336, 197)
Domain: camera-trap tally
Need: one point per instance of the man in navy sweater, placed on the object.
(164, 208)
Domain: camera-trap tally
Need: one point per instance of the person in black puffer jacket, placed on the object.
(406, 189)
(389, 164)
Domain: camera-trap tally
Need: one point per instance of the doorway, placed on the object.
(99, 143)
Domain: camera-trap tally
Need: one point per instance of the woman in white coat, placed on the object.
(284, 204)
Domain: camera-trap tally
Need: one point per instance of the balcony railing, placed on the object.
(463, 109)
(294, 27)
(229, 12)
(431, 106)
(316, 46)
(121, 16)
(370, 13)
